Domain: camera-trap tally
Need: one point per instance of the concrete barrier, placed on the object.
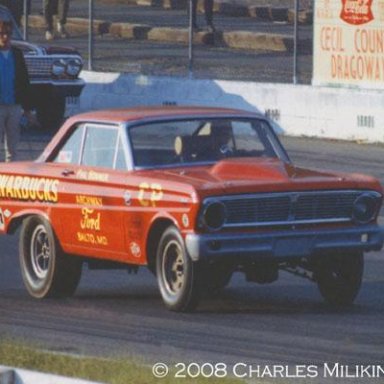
(22, 376)
(296, 110)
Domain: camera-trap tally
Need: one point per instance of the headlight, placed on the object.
(365, 207)
(214, 215)
(58, 68)
(73, 67)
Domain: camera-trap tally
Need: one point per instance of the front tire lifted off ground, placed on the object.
(176, 273)
(46, 269)
(339, 277)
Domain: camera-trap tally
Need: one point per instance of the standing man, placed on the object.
(208, 11)
(15, 7)
(53, 7)
(14, 90)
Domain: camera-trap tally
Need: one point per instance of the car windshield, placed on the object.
(183, 142)
(4, 15)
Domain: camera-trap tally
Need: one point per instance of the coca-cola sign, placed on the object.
(356, 12)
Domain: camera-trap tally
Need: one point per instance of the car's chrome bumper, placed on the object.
(284, 243)
(60, 87)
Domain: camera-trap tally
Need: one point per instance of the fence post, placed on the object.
(295, 41)
(190, 41)
(90, 35)
(25, 16)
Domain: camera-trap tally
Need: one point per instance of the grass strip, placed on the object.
(111, 371)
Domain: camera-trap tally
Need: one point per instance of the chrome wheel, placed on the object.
(176, 273)
(40, 252)
(47, 271)
(173, 267)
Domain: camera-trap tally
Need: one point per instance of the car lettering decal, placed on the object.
(127, 198)
(29, 188)
(135, 249)
(65, 157)
(185, 220)
(89, 200)
(90, 238)
(91, 221)
(150, 194)
(92, 175)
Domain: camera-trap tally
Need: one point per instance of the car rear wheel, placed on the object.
(176, 273)
(339, 277)
(46, 270)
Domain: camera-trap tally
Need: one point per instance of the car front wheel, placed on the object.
(46, 270)
(176, 273)
(339, 277)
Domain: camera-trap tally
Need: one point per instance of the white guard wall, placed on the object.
(339, 113)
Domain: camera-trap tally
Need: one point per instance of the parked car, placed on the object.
(54, 74)
(192, 193)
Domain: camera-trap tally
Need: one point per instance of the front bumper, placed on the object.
(62, 88)
(283, 244)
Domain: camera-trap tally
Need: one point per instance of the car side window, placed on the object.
(250, 140)
(70, 151)
(100, 146)
(247, 138)
(94, 146)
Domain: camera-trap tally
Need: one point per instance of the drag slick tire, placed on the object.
(339, 277)
(46, 270)
(176, 273)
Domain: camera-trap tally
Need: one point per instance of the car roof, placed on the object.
(147, 113)
(152, 112)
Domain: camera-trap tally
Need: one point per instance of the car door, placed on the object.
(92, 163)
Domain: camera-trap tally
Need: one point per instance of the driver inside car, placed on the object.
(223, 139)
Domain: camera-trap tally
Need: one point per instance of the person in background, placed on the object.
(208, 11)
(53, 7)
(15, 94)
(15, 7)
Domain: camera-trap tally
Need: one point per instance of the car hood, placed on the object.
(34, 49)
(234, 176)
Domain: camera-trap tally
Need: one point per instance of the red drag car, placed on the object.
(192, 193)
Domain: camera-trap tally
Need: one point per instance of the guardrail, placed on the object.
(10, 375)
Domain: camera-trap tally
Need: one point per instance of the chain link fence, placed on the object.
(252, 40)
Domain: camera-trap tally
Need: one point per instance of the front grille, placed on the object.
(39, 66)
(289, 208)
(325, 206)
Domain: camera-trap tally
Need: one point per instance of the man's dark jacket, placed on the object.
(22, 84)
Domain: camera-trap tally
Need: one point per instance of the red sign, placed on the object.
(356, 12)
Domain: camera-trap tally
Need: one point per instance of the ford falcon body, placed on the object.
(192, 193)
